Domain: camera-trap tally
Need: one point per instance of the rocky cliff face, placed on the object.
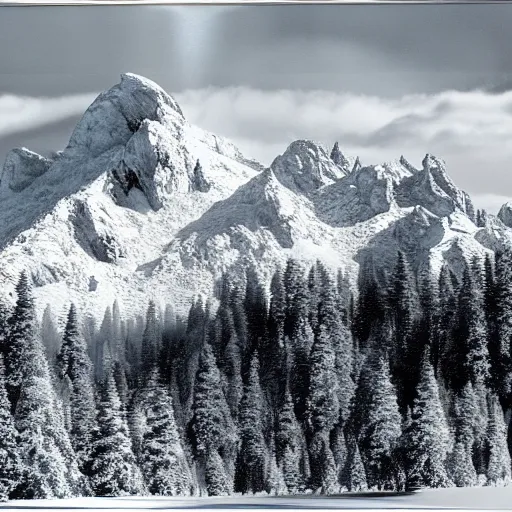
(144, 205)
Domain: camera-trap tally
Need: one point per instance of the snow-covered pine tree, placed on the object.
(273, 356)
(122, 385)
(20, 330)
(74, 364)
(330, 318)
(114, 470)
(217, 481)
(253, 457)
(102, 353)
(233, 372)
(151, 341)
(50, 335)
(288, 446)
(355, 472)
(323, 411)
(405, 310)
(500, 342)
(162, 458)
(460, 464)
(50, 466)
(297, 295)
(427, 437)
(443, 340)
(498, 456)
(298, 336)
(10, 463)
(381, 424)
(371, 311)
(211, 429)
(470, 360)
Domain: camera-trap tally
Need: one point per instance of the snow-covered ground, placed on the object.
(480, 498)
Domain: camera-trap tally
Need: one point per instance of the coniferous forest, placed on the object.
(303, 384)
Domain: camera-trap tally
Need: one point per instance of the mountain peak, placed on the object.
(21, 168)
(305, 166)
(505, 214)
(117, 114)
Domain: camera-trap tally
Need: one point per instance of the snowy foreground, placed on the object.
(483, 498)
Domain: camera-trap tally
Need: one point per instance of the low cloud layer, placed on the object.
(471, 131)
(20, 114)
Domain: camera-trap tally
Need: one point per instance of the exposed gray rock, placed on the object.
(96, 242)
(505, 214)
(305, 167)
(21, 168)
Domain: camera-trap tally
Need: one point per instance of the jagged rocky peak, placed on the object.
(21, 168)
(305, 167)
(405, 163)
(432, 188)
(345, 163)
(357, 165)
(505, 214)
(118, 113)
(154, 161)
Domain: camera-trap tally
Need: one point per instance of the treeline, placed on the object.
(299, 386)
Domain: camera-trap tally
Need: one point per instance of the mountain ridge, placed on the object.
(147, 206)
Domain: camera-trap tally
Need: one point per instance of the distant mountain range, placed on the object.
(142, 205)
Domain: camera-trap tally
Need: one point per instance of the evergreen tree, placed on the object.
(163, 461)
(470, 358)
(329, 318)
(288, 446)
(114, 471)
(10, 464)
(498, 467)
(443, 341)
(74, 364)
(21, 330)
(50, 466)
(211, 429)
(233, 373)
(499, 343)
(372, 308)
(298, 350)
(102, 356)
(252, 461)
(151, 340)
(381, 426)
(323, 411)
(217, 481)
(121, 385)
(273, 356)
(406, 310)
(427, 436)
(50, 335)
(462, 470)
(356, 474)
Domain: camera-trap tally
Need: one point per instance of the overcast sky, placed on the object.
(383, 80)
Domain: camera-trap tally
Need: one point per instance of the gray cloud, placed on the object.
(376, 77)
(470, 130)
(373, 49)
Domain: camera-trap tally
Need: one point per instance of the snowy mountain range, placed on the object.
(142, 205)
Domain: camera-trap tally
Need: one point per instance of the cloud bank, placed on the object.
(471, 131)
(19, 114)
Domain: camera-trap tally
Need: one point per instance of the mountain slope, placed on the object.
(141, 205)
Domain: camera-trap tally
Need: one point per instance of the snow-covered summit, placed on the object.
(142, 205)
(305, 166)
